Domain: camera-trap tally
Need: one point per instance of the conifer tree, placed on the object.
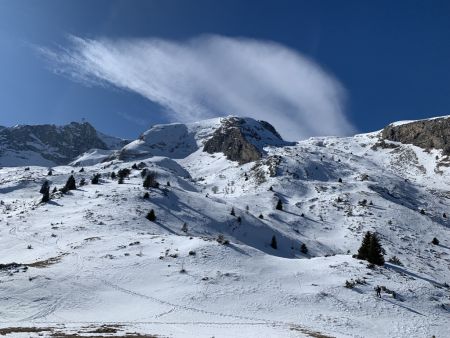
(122, 173)
(232, 213)
(375, 251)
(70, 184)
(273, 243)
(363, 251)
(371, 249)
(303, 249)
(279, 205)
(184, 228)
(95, 179)
(45, 191)
(150, 180)
(151, 216)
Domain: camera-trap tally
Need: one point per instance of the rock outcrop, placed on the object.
(427, 134)
(243, 140)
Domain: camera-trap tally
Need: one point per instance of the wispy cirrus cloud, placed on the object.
(212, 76)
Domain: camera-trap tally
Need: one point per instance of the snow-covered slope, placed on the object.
(49, 145)
(96, 260)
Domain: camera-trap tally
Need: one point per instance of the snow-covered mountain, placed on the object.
(240, 139)
(220, 259)
(49, 145)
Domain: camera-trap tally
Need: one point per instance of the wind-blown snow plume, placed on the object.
(213, 75)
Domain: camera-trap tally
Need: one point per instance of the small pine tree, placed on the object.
(82, 170)
(144, 172)
(134, 166)
(45, 191)
(184, 228)
(363, 251)
(82, 182)
(444, 215)
(261, 216)
(435, 241)
(54, 190)
(150, 180)
(50, 172)
(340, 180)
(422, 211)
(375, 251)
(120, 181)
(239, 219)
(125, 172)
(151, 216)
(232, 213)
(70, 184)
(279, 205)
(146, 196)
(95, 179)
(168, 184)
(371, 249)
(273, 243)
(113, 175)
(303, 249)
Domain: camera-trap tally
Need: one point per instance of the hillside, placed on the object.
(90, 258)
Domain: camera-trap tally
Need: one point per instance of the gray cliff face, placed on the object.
(427, 134)
(242, 140)
(233, 144)
(53, 143)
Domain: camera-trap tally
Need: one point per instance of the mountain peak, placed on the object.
(241, 139)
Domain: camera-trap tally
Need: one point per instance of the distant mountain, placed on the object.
(49, 145)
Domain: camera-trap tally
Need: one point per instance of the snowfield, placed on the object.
(89, 263)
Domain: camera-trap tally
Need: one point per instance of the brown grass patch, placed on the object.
(47, 262)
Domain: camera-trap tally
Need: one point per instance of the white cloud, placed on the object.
(213, 75)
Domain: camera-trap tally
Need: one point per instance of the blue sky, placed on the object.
(371, 62)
